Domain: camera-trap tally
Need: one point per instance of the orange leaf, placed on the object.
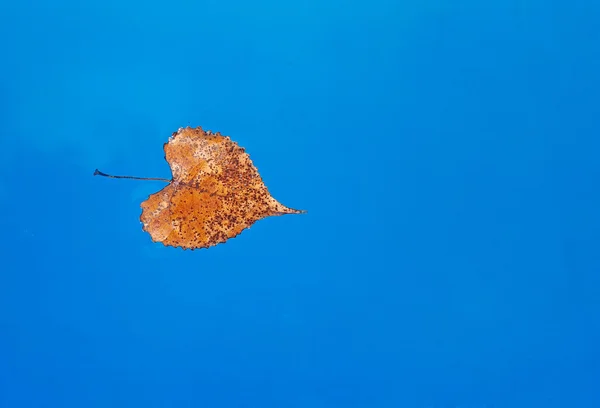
(214, 194)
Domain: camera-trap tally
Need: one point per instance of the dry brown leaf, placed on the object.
(214, 194)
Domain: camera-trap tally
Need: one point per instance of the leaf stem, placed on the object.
(99, 173)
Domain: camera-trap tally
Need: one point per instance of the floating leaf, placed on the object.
(214, 194)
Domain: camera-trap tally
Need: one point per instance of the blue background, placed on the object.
(446, 152)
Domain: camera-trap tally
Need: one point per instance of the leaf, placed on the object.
(214, 194)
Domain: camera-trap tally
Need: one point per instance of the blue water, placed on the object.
(446, 152)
